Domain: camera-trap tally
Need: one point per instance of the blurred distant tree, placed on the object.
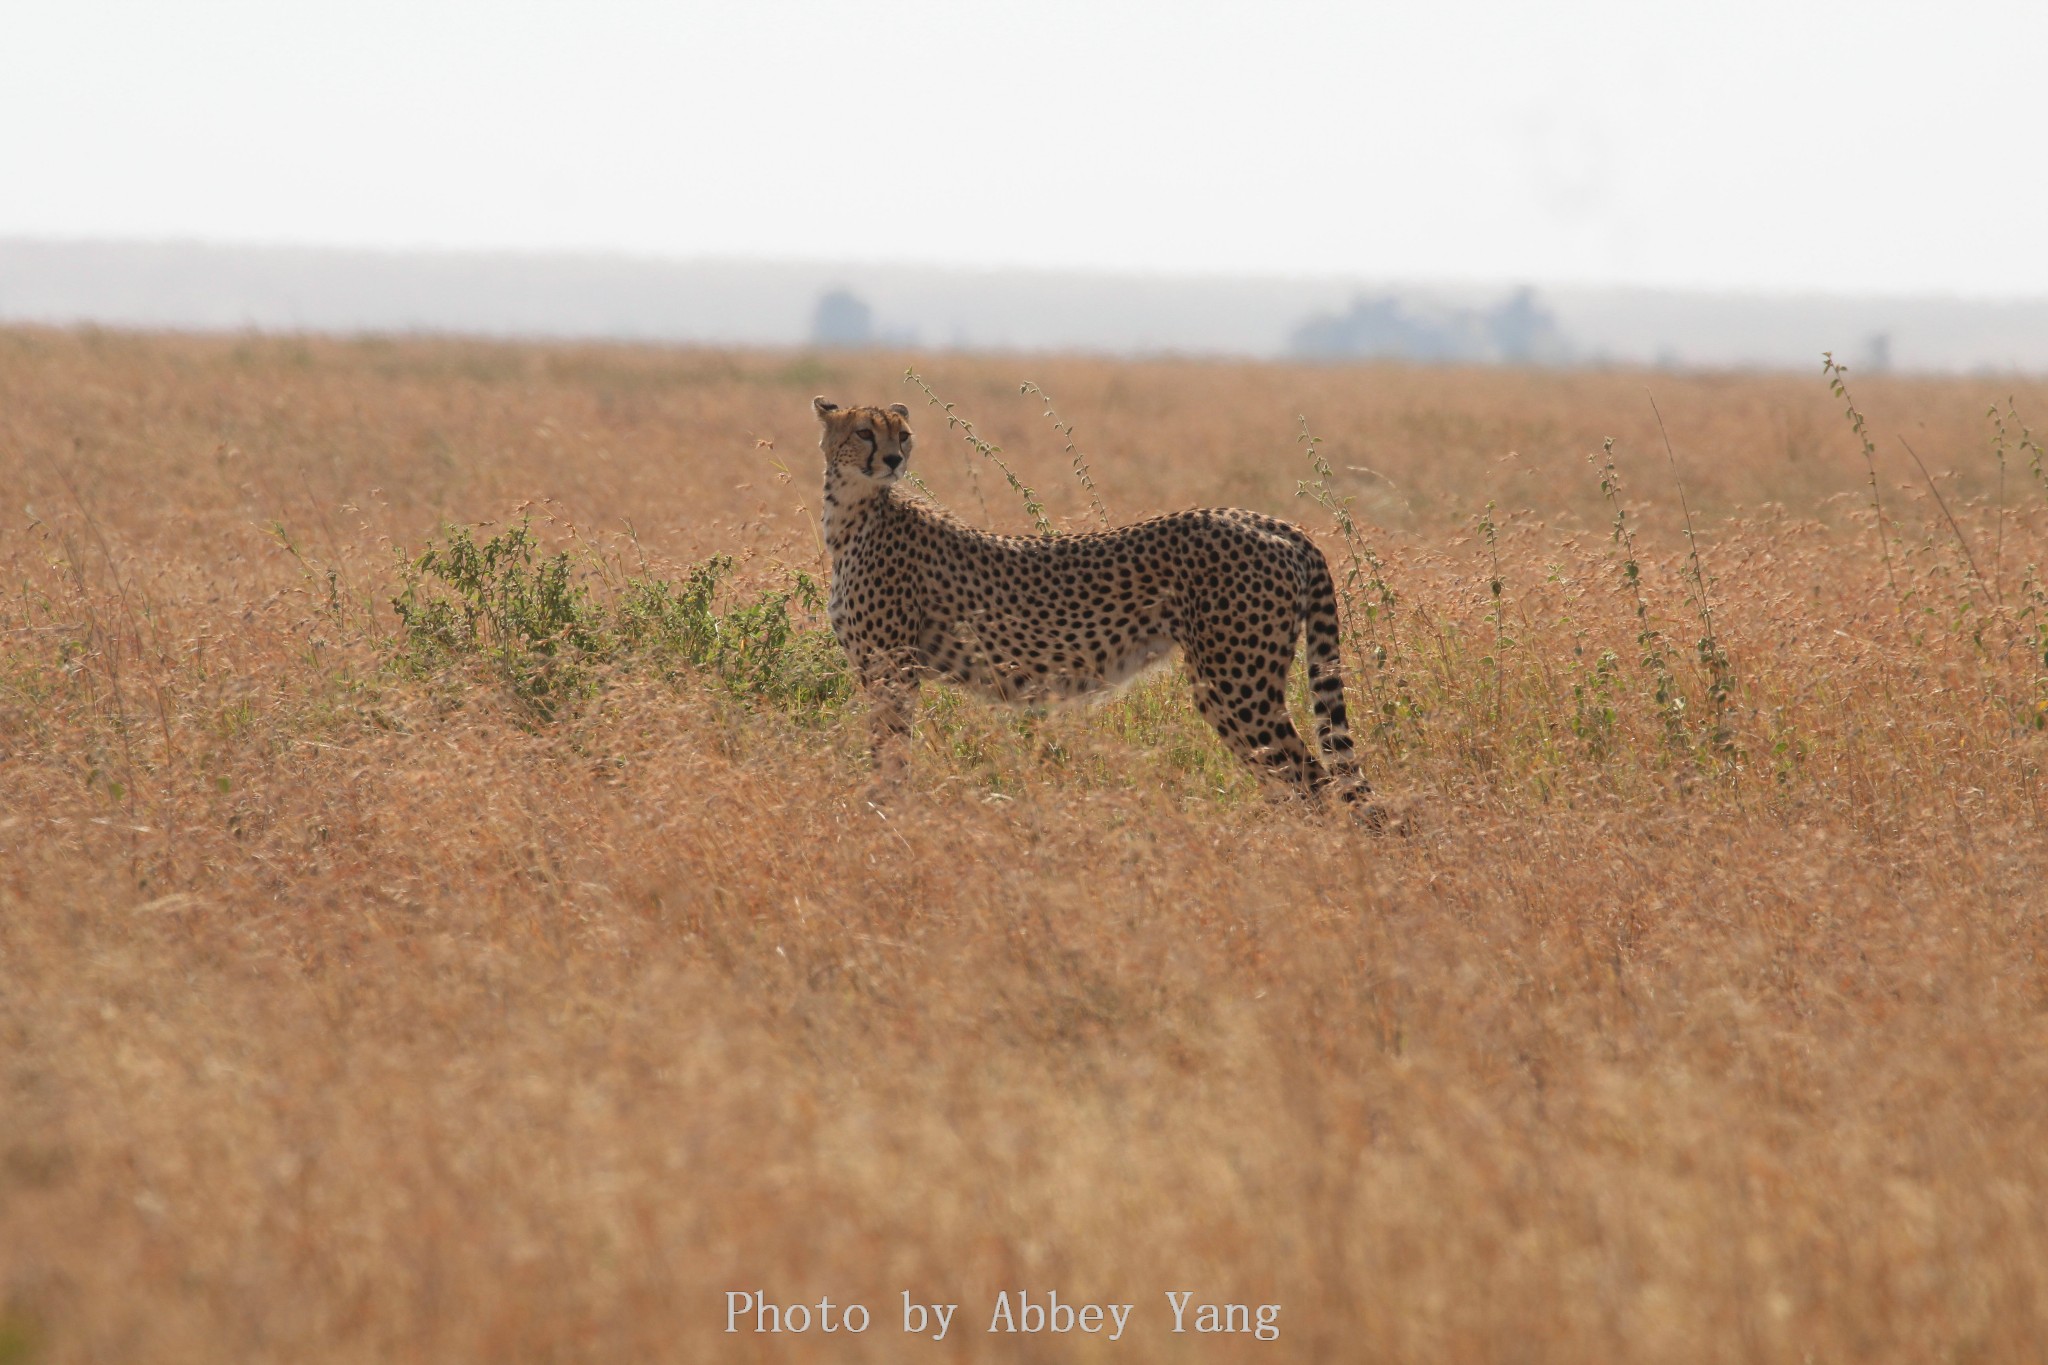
(842, 318)
(1518, 331)
(1524, 332)
(1378, 327)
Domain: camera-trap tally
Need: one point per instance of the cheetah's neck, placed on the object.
(851, 502)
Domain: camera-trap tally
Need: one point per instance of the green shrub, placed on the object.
(534, 621)
(755, 651)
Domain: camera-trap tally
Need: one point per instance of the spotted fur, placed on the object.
(916, 595)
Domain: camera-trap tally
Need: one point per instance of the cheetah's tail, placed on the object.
(1326, 672)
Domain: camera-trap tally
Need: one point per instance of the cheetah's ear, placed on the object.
(899, 409)
(822, 405)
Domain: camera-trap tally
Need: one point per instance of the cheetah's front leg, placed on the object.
(891, 690)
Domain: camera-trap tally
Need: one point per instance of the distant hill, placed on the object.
(195, 286)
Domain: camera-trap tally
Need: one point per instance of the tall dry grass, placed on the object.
(356, 1006)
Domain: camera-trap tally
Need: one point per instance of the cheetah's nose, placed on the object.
(892, 460)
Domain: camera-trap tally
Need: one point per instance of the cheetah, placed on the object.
(917, 594)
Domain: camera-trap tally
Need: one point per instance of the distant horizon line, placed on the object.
(1359, 281)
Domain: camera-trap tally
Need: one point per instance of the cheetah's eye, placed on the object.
(866, 434)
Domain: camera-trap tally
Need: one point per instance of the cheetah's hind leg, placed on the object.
(1257, 729)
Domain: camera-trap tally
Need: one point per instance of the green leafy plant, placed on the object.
(1369, 600)
(1496, 611)
(522, 612)
(1078, 461)
(1838, 383)
(760, 650)
(1649, 640)
(1713, 659)
(532, 619)
(989, 451)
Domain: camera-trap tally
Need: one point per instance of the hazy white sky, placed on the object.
(1742, 145)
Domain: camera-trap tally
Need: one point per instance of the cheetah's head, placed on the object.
(872, 443)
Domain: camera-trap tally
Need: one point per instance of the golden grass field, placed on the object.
(364, 998)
